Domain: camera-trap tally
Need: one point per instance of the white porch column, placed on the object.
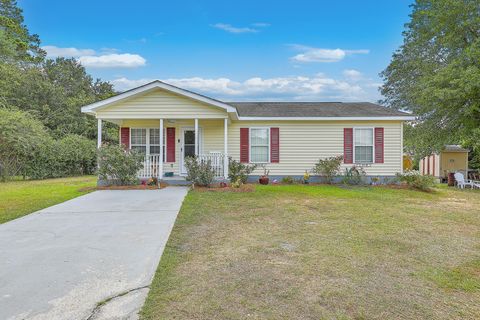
(99, 133)
(196, 137)
(160, 162)
(225, 149)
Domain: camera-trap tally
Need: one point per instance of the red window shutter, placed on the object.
(347, 145)
(125, 137)
(274, 145)
(244, 145)
(379, 145)
(170, 145)
(428, 165)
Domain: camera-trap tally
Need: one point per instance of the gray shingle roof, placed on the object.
(314, 109)
(454, 148)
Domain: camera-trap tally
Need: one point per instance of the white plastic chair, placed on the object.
(461, 182)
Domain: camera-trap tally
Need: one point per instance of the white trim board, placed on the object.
(383, 118)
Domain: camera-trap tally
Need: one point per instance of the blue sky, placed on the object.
(230, 50)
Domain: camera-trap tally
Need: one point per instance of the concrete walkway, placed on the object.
(101, 248)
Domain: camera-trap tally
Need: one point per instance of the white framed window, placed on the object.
(147, 140)
(138, 138)
(363, 145)
(259, 145)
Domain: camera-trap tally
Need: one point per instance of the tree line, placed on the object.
(42, 131)
(436, 75)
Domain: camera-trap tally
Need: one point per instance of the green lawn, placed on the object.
(18, 198)
(321, 252)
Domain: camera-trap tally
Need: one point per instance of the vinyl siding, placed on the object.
(160, 104)
(302, 143)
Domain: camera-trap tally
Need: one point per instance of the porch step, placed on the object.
(176, 181)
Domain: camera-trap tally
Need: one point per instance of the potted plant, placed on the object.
(306, 177)
(264, 179)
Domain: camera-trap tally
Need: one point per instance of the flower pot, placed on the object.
(263, 180)
(451, 179)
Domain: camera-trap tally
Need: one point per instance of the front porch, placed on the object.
(152, 167)
(166, 143)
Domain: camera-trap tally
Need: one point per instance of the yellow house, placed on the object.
(169, 123)
(452, 158)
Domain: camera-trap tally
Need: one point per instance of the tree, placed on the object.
(54, 92)
(16, 42)
(436, 73)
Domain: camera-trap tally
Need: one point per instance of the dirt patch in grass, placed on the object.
(320, 252)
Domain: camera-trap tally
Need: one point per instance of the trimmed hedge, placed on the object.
(26, 149)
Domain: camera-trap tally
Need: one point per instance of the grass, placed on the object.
(18, 198)
(321, 252)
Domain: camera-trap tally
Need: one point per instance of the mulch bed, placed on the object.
(132, 187)
(243, 188)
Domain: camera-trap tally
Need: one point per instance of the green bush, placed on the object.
(21, 136)
(328, 167)
(200, 173)
(119, 166)
(238, 170)
(77, 155)
(288, 180)
(415, 180)
(354, 176)
(26, 149)
(72, 155)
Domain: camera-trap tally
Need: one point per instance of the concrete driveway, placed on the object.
(92, 257)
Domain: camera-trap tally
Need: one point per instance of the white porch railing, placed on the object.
(217, 161)
(152, 163)
(151, 167)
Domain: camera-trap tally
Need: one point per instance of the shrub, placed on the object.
(288, 180)
(76, 155)
(27, 149)
(415, 180)
(119, 165)
(328, 167)
(238, 170)
(200, 173)
(354, 175)
(237, 183)
(21, 136)
(72, 155)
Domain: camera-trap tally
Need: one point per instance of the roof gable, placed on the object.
(99, 105)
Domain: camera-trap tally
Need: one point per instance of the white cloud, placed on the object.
(114, 60)
(261, 24)
(54, 51)
(310, 54)
(107, 58)
(352, 74)
(292, 88)
(229, 28)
